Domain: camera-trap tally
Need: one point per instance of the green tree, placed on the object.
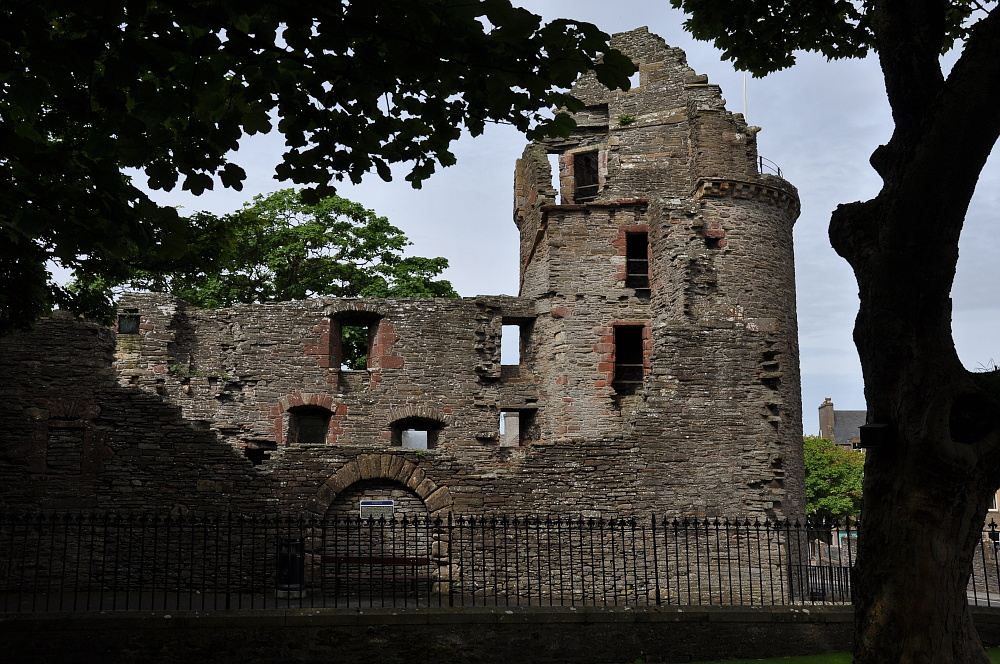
(168, 87)
(278, 247)
(933, 447)
(833, 478)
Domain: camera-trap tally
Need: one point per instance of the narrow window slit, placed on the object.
(637, 260)
(585, 177)
(628, 359)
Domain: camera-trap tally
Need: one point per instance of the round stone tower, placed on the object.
(661, 262)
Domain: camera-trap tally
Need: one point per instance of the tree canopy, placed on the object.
(833, 478)
(933, 431)
(278, 247)
(764, 37)
(93, 96)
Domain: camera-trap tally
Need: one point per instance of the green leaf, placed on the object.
(233, 176)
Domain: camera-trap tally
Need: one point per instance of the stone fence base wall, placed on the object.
(581, 635)
(432, 636)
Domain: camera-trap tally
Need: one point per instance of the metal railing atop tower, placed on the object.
(765, 165)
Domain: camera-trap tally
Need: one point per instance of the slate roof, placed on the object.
(846, 425)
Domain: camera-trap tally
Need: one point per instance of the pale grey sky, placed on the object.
(820, 123)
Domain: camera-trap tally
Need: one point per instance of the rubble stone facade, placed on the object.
(658, 364)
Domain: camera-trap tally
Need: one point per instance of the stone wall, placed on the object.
(72, 437)
(416, 636)
(677, 393)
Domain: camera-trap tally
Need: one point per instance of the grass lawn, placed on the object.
(836, 658)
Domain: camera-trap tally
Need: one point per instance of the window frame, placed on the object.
(309, 413)
(636, 267)
(628, 376)
(586, 176)
(432, 427)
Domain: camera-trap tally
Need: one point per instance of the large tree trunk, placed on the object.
(934, 461)
(932, 465)
(914, 558)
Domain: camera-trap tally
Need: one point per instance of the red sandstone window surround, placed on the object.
(352, 341)
(308, 425)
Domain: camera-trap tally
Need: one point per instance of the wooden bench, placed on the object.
(378, 568)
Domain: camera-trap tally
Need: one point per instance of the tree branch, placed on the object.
(963, 124)
(908, 36)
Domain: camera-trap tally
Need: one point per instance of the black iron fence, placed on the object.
(122, 562)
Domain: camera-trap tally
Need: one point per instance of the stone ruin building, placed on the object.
(658, 367)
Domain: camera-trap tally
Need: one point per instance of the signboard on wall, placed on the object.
(377, 509)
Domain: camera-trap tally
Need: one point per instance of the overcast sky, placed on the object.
(820, 123)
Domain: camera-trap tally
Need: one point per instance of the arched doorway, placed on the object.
(384, 533)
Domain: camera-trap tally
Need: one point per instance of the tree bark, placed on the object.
(928, 480)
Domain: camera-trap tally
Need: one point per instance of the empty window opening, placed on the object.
(515, 337)
(510, 344)
(510, 428)
(556, 175)
(355, 347)
(628, 359)
(416, 433)
(128, 322)
(352, 341)
(634, 81)
(308, 424)
(259, 451)
(516, 427)
(637, 260)
(585, 177)
(414, 439)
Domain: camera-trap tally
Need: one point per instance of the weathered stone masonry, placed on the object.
(658, 368)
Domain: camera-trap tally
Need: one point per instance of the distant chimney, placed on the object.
(826, 419)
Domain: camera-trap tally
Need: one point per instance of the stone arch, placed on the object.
(424, 417)
(279, 419)
(423, 411)
(395, 467)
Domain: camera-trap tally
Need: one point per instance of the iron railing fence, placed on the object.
(105, 561)
(765, 165)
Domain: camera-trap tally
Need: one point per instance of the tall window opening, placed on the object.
(556, 175)
(510, 344)
(628, 359)
(352, 339)
(416, 433)
(637, 260)
(308, 424)
(515, 337)
(585, 177)
(356, 346)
